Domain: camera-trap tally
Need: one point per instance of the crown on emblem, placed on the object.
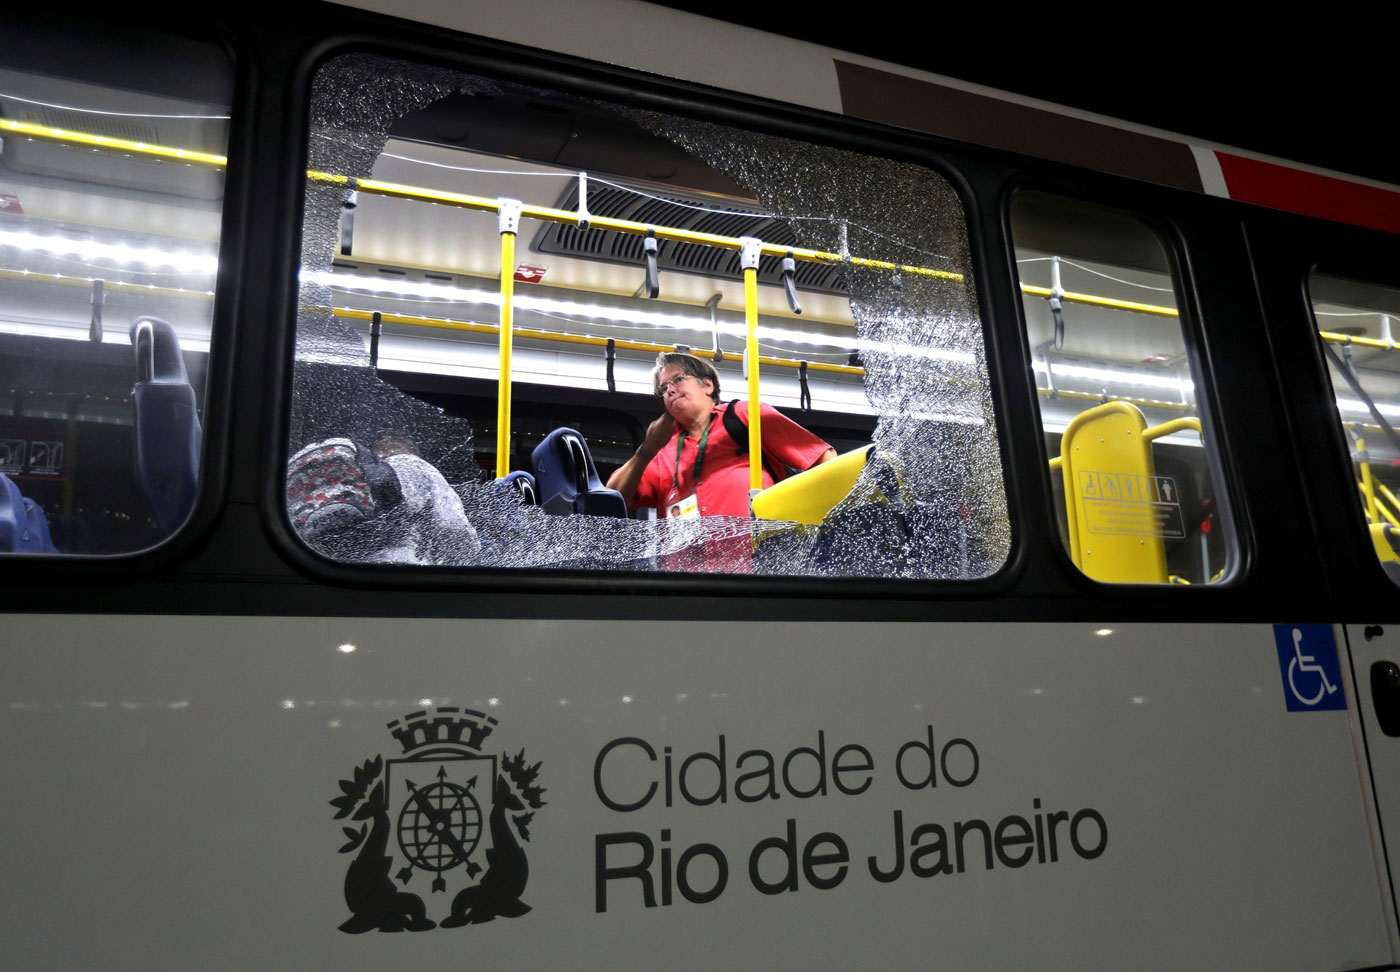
(446, 726)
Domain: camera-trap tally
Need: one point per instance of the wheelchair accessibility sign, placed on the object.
(1307, 660)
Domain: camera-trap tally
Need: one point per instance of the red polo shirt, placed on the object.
(723, 489)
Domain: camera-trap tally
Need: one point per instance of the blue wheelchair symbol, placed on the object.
(1312, 675)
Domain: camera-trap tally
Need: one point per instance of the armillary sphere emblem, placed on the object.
(439, 827)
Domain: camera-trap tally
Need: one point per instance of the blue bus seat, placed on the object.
(166, 418)
(567, 481)
(23, 526)
(523, 484)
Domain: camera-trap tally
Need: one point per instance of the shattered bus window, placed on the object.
(531, 324)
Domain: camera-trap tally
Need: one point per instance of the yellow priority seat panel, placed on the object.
(810, 495)
(1381, 535)
(1111, 496)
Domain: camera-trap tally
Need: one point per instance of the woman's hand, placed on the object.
(659, 433)
(626, 477)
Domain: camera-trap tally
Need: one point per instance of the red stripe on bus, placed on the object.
(1281, 187)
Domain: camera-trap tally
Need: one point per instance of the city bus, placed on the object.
(329, 336)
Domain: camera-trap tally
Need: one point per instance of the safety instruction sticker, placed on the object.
(46, 458)
(1307, 660)
(12, 455)
(1125, 504)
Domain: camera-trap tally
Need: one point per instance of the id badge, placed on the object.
(686, 506)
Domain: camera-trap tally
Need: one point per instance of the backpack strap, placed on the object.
(738, 430)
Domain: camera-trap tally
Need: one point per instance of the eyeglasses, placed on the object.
(662, 388)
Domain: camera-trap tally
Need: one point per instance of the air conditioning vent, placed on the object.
(115, 114)
(681, 212)
(127, 128)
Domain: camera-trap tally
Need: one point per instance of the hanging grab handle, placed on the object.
(1057, 310)
(99, 298)
(1058, 313)
(347, 222)
(790, 282)
(649, 250)
(713, 306)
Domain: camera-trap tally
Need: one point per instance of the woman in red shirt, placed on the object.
(688, 465)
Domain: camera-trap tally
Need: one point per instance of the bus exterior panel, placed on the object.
(591, 794)
(226, 751)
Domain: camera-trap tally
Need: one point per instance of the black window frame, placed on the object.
(1220, 467)
(212, 486)
(1290, 249)
(619, 85)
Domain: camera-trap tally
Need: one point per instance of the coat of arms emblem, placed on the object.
(441, 806)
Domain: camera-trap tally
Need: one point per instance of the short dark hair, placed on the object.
(696, 367)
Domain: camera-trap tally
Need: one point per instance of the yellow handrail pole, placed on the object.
(1113, 302)
(1385, 510)
(354, 314)
(1381, 507)
(1368, 489)
(749, 255)
(1167, 428)
(509, 215)
(123, 145)
(395, 190)
(1394, 501)
(1332, 337)
(1148, 435)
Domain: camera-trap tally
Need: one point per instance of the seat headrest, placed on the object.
(157, 350)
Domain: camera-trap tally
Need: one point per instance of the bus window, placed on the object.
(111, 182)
(1135, 488)
(543, 331)
(1354, 322)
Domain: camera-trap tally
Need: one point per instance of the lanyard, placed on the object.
(699, 456)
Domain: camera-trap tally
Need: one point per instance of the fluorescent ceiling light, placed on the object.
(1352, 405)
(1117, 377)
(605, 314)
(90, 251)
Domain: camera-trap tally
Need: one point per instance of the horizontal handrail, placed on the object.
(443, 197)
(1167, 428)
(475, 327)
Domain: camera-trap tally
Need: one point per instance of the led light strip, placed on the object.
(91, 250)
(116, 286)
(1115, 377)
(463, 200)
(1092, 397)
(1352, 405)
(604, 314)
(476, 327)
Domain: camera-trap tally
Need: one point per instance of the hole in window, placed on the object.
(111, 183)
(710, 350)
(1135, 489)
(1354, 322)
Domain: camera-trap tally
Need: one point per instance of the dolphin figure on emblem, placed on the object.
(498, 894)
(369, 891)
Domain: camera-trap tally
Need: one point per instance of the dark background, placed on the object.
(1308, 86)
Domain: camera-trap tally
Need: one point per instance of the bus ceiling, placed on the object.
(564, 132)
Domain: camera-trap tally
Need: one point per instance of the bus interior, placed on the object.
(877, 339)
